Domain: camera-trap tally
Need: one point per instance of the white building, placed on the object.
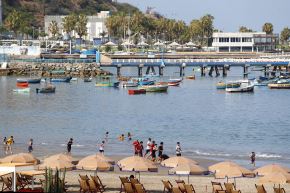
(95, 26)
(244, 42)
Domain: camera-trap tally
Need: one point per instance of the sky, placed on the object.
(229, 14)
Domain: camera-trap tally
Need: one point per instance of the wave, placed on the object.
(265, 155)
(74, 145)
(212, 154)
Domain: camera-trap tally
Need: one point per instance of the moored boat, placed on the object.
(47, 89)
(88, 79)
(22, 84)
(192, 77)
(155, 88)
(130, 84)
(67, 79)
(223, 85)
(107, 84)
(245, 86)
(174, 82)
(146, 82)
(22, 90)
(136, 91)
(280, 84)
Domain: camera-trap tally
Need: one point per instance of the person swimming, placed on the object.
(121, 137)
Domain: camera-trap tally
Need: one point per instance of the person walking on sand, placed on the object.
(102, 147)
(253, 159)
(141, 149)
(4, 145)
(148, 146)
(30, 143)
(178, 149)
(9, 143)
(69, 144)
(160, 152)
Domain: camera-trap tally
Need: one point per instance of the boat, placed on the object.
(88, 79)
(74, 79)
(22, 84)
(67, 79)
(49, 88)
(223, 85)
(130, 84)
(29, 80)
(136, 91)
(192, 77)
(145, 81)
(154, 88)
(174, 82)
(280, 84)
(22, 90)
(107, 84)
(245, 86)
(262, 81)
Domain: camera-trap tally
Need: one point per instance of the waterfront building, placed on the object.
(244, 42)
(95, 26)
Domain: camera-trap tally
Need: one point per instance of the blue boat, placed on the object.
(146, 82)
(67, 79)
(29, 80)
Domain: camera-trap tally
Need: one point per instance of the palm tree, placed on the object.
(81, 25)
(69, 23)
(13, 22)
(285, 35)
(207, 27)
(53, 28)
(268, 28)
(244, 29)
(103, 34)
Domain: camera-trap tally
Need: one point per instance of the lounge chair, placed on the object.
(123, 181)
(128, 188)
(99, 181)
(94, 187)
(176, 190)
(230, 187)
(84, 177)
(84, 186)
(260, 188)
(236, 191)
(140, 188)
(7, 184)
(167, 186)
(180, 184)
(189, 188)
(279, 190)
(217, 187)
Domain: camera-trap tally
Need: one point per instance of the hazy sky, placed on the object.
(229, 14)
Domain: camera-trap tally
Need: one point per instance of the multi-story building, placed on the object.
(95, 26)
(244, 42)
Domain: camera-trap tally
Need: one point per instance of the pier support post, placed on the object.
(210, 71)
(266, 68)
(246, 68)
(225, 72)
(119, 70)
(140, 70)
(273, 73)
(202, 73)
(287, 68)
(217, 73)
(182, 69)
(161, 69)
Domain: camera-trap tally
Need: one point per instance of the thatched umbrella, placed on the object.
(96, 162)
(275, 178)
(110, 44)
(187, 169)
(176, 161)
(59, 161)
(271, 168)
(20, 158)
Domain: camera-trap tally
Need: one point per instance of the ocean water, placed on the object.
(208, 123)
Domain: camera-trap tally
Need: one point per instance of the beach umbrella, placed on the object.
(20, 158)
(60, 156)
(127, 44)
(137, 164)
(176, 161)
(190, 44)
(57, 162)
(95, 162)
(174, 44)
(142, 44)
(275, 178)
(228, 170)
(187, 169)
(110, 44)
(271, 168)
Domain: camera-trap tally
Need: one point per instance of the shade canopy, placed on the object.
(32, 173)
(174, 44)
(228, 170)
(190, 44)
(110, 44)
(176, 161)
(127, 44)
(137, 164)
(60, 156)
(276, 178)
(57, 161)
(20, 158)
(95, 162)
(271, 168)
(187, 169)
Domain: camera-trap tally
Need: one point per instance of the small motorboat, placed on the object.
(174, 82)
(280, 84)
(29, 80)
(223, 85)
(130, 84)
(192, 77)
(49, 88)
(107, 84)
(245, 86)
(136, 91)
(22, 84)
(74, 79)
(22, 90)
(155, 88)
(146, 82)
(67, 79)
(88, 79)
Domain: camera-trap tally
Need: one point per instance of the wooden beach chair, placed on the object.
(260, 188)
(279, 190)
(84, 177)
(128, 188)
(140, 188)
(176, 190)
(180, 184)
(217, 187)
(230, 187)
(123, 181)
(236, 191)
(102, 186)
(97, 183)
(167, 186)
(7, 184)
(134, 181)
(189, 188)
(94, 187)
(84, 186)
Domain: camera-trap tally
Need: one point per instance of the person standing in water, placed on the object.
(129, 136)
(107, 136)
(9, 144)
(30, 143)
(178, 149)
(102, 147)
(4, 145)
(69, 144)
(253, 159)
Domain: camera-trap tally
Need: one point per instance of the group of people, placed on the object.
(8, 145)
(122, 137)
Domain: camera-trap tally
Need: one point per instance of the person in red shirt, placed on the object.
(136, 145)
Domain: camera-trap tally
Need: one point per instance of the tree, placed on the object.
(244, 29)
(195, 31)
(53, 28)
(285, 35)
(13, 21)
(81, 25)
(268, 28)
(207, 28)
(69, 23)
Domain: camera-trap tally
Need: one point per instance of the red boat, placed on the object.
(22, 84)
(136, 91)
(173, 83)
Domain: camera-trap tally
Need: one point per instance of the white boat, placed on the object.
(245, 86)
(22, 90)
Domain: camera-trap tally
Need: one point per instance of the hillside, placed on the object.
(35, 9)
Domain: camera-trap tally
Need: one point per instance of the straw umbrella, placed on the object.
(110, 44)
(276, 178)
(20, 158)
(137, 164)
(58, 161)
(187, 169)
(95, 162)
(174, 44)
(176, 161)
(271, 168)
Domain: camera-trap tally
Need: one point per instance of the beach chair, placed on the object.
(140, 188)
(217, 187)
(279, 190)
(167, 186)
(84, 186)
(189, 188)
(134, 181)
(229, 187)
(260, 188)
(180, 184)
(84, 177)
(97, 183)
(123, 181)
(94, 187)
(7, 184)
(236, 191)
(102, 186)
(176, 190)
(128, 188)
